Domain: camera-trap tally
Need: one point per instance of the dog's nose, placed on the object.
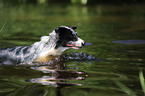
(83, 43)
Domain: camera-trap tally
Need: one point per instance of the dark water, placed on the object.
(92, 71)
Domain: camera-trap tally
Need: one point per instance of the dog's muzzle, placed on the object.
(76, 44)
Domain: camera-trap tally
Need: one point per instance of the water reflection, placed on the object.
(58, 73)
(58, 78)
(130, 41)
(87, 43)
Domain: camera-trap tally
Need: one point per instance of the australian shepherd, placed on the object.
(61, 39)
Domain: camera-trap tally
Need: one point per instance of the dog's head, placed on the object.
(67, 37)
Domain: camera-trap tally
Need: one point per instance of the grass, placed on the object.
(142, 81)
(124, 88)
(127, 90)
(1, 29)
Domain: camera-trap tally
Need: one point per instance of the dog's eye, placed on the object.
(74, 37)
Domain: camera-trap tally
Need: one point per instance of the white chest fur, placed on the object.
(53, 52)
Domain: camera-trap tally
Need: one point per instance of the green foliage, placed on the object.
(142, 81)
(129, 91)
(125, 88)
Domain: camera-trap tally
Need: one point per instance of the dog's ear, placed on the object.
(59, 30)
(73, 27)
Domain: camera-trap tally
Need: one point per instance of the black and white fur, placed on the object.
(61, 39)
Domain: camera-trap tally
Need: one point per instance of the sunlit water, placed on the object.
(115, 52)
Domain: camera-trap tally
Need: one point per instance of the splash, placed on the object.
(81, 56)
(67, 57)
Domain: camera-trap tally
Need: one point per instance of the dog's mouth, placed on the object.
(73, 46)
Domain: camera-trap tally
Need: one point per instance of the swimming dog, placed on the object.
(61, 39)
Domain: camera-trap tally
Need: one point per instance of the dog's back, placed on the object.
(14, 55)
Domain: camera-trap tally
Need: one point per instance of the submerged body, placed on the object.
(61, 39)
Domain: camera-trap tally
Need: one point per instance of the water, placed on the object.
(92, 71)
(130, 41)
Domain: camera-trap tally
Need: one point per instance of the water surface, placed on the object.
(91, 71)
